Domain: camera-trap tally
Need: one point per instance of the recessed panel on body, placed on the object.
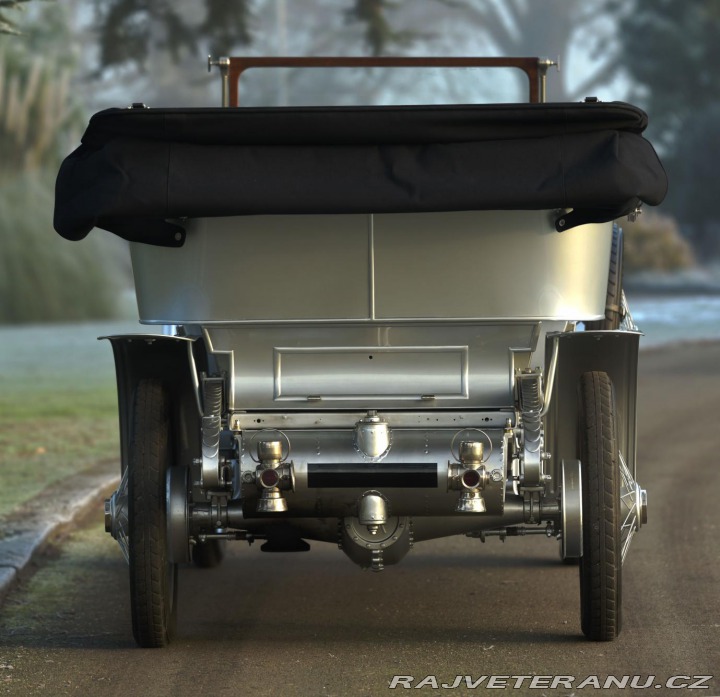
(380, 372)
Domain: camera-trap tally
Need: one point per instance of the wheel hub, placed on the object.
(177, 515)
(572, 537)
(633, 508)
(116, 515)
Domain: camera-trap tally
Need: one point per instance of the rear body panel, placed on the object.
(480, 265)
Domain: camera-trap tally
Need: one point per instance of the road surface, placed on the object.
(314, 624)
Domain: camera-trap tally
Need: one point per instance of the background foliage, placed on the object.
(74, 57)
(672, 52)
(8, 22)
(43, 277)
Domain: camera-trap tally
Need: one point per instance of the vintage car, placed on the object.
(391, 324)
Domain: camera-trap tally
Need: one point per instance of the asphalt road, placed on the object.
(314, 624)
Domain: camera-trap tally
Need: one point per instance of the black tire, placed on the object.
(613, 301)
(153, 578)
(208, 555)
(601, 564)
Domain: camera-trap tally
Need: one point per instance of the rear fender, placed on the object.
(612, 352)
(176, 361)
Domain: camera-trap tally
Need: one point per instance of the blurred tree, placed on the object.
(7, 25)
(42, 277)
(671, 48)
(226, 24)
(150, 48)
(38, 111)
(134, 34)
(693, 174)
(653, 242)
(672, 52)
(551, 29)
(379, 34)
(129, 29)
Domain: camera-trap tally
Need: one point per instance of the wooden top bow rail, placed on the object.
(232, 68)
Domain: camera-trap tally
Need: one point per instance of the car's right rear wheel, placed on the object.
(601, 562)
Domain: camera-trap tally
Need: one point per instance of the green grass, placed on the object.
(48, 435)
(58, 405)
(34, 455)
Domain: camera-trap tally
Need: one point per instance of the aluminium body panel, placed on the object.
(407, 366)
(476, 265)
(489, 264)
(257, 268)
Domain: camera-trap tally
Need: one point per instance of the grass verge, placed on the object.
(50, 437)
(58, 406)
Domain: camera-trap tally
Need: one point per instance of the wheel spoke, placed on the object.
(121, 508)
(629, 497)
(116, 516)
(626, 544)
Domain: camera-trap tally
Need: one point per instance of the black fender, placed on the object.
(177, 362)
(613, 352)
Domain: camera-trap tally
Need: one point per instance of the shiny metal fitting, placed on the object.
(116, 515)
(471, 453)
(372, 436)
(471, 502)
(269, 452)
(272, 501)
(270, 455)
(470, 476)
(643, 507)
(109, 515)
(372, 511)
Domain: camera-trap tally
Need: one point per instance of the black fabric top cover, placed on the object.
(137, 168)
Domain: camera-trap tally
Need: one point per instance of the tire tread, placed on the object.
(600, 566)
(151, 598)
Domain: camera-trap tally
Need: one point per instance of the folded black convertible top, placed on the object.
(136, 168)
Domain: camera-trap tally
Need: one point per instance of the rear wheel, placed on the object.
(601, 563)
(153, 577)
